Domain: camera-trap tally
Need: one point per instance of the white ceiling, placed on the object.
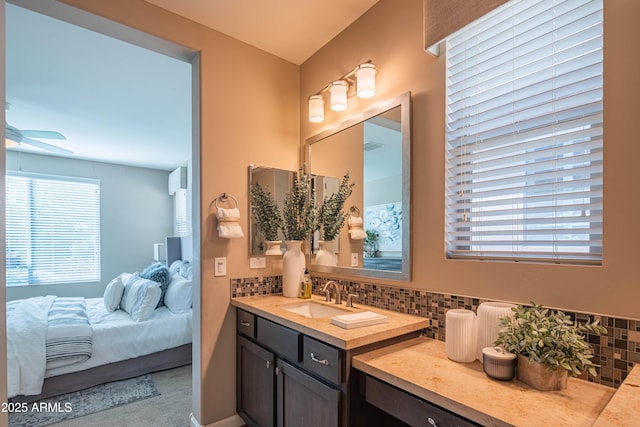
(116, 102)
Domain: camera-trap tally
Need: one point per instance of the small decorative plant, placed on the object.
(549, 337)
(330, 215)
(265, 210)
(299, 211)
(371, 243)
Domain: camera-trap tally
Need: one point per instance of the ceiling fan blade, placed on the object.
(46, 134)
(12, 133)
(45, 146)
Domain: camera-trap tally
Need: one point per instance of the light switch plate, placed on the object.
(220, 266)
(257, 262)
(354, 259)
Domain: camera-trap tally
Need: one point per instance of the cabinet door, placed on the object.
(255, 384)
(305, 401)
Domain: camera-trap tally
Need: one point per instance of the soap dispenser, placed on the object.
(305, 285)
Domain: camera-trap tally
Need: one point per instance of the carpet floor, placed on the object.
(168, 406)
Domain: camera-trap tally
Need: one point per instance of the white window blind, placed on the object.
(180, 226)
(524, 134)
(52, 229)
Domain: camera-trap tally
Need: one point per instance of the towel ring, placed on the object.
(354, 209)
(224, 197)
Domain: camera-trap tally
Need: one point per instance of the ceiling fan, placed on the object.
(18, 136)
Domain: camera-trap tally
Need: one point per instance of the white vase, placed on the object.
(460, 335)
(325, 255)
(488, 323)
(273, 247)
(293, 263)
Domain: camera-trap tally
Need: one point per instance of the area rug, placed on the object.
(72, 405)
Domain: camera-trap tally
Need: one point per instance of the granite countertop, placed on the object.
(272, 307)
(420, 367)
(624, 407)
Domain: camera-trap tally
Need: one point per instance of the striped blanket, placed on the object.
(69, 333)
(42, 333)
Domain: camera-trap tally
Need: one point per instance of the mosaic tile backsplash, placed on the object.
(615, 352)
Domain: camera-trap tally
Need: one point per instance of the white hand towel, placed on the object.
(228, 223)
(356, 229)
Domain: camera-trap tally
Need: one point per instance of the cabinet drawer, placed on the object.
(283, 341)
(246, 323)
(322, 359)
(408, 408)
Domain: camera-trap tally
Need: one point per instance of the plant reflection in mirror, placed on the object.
(330, 215)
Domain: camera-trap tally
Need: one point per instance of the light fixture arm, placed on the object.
(350, 78)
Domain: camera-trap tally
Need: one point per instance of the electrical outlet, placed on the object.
(354, 259)
(257, 262)
(220, 266)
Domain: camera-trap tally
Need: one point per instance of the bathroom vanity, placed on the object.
(296, 370)
(294, 367)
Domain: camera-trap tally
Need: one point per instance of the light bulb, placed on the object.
(316, 109)
(366, 80)
(338, 91)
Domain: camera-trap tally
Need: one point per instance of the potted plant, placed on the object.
(331, 219)
(268, 218)
(299, 212)
(371, 243)
(299, 209)
(549, 345)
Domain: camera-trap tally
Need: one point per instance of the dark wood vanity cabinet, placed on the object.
(255, 383)
(399, 408)
(274, 385)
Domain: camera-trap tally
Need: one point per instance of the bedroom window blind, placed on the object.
(180, 213)
(524, 134)
(52, 229)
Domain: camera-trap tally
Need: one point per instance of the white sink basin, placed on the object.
(315, 310)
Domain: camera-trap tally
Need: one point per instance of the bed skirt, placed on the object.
(130, 368)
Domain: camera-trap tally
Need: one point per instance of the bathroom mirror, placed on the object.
(375, 148)
(277, 182)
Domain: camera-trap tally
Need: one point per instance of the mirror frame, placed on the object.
(404, 102)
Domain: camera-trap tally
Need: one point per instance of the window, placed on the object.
(180, 226)
(524, 134)
(53, 229)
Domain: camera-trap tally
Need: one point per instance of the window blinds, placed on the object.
(52, 229)
(524, 134)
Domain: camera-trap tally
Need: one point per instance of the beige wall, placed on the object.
(391, 36)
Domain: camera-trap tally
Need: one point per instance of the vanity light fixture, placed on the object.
(338, 91)
(366, 80)
(316, 109)
(362, 79)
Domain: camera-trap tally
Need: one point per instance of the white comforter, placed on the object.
(115, 337)
(26, 336)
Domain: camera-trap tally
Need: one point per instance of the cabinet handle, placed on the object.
(431, 422)
(278, 370)
(322, 362)
(268, 364)
(244, 323)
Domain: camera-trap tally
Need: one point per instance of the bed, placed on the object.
(113, 347)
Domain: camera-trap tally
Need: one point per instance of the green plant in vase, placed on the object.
(266, 212)
(330, 215)
(370, 243)
(548, 337)
(299, 211)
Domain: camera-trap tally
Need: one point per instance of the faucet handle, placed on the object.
(350, 298)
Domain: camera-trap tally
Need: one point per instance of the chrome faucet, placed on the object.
(327, 291)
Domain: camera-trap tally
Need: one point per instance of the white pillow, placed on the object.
(113, 292)
(140, 297)
(179, 295)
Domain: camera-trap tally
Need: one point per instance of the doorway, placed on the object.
(146, 42)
